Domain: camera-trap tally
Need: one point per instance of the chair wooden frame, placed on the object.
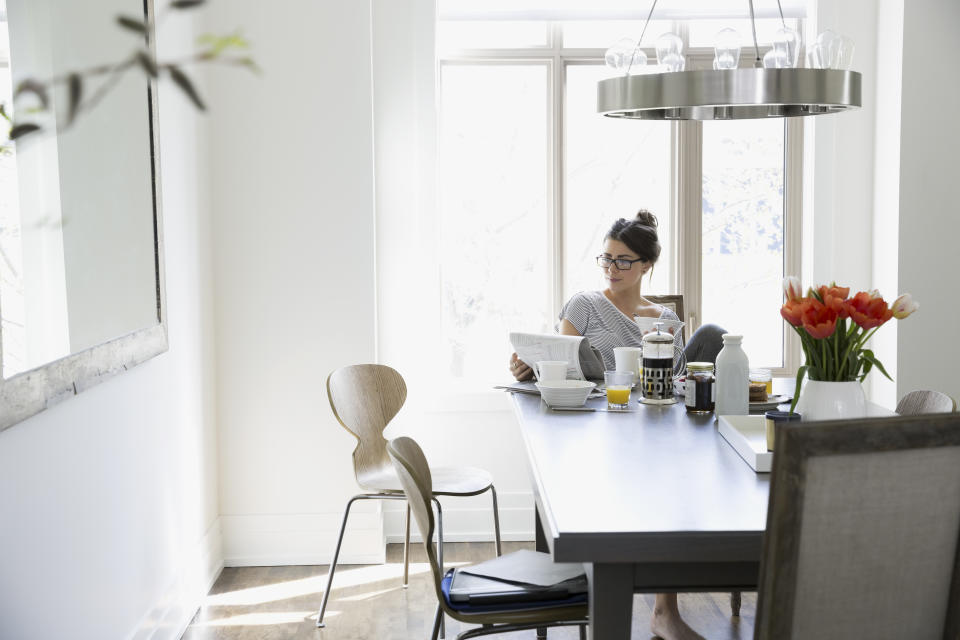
(674, 302)
(415, 475)
(796, 444)
(366, 420)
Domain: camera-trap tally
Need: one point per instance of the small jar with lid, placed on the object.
(700, 392)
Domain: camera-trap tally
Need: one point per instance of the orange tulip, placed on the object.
(792, 311)
(792, 289)
(868, 309)
(834, 291)
(835, 297)
(819, 320)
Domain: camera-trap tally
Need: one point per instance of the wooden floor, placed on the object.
(368, 602)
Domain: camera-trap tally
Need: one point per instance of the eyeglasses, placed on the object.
(623, 264)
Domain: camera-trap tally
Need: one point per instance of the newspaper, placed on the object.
(583, 361)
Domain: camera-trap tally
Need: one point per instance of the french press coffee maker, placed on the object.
(656, 386)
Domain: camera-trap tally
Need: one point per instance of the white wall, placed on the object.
(840, 205)
(886, 189)
(294, 264)
(108, 500)
(476, 427)
(929, 222)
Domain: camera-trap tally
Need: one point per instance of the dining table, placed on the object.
(650, 500)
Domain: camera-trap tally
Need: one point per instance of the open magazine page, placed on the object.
(583, 361)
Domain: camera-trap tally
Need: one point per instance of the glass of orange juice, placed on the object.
(618, 389)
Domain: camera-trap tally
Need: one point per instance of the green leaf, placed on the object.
(29, 85)
(186, 4)
(133, 24)
(20, 130)
(187, 87)
(872, 359)
(250, 63)
(75, 88)
(802, 371)
(219, 44)
(147, 63)
(3, 112)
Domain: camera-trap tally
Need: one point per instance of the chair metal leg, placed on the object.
(583, 632)
(735, 603)
(406, 550)
(443, 626)
(437, 619)
(333, 563)
(496, 519)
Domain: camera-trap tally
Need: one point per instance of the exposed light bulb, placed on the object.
(626, 57)
(727, 49)
(787, 43)
(670, 52)
(845, 53)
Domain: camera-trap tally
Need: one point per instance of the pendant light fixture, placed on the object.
(775, 88)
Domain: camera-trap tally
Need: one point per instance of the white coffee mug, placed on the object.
(551, 370)
(628, 359)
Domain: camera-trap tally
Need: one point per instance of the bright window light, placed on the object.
(743, 240)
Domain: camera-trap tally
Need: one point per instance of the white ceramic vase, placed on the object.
(821, 400)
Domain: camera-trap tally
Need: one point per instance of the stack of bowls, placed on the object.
(565, 393)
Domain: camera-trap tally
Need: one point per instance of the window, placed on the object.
(531, 177)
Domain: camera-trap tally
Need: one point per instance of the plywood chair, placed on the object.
(863, 531)
(415, 476)
(365, 398)
(919, 402)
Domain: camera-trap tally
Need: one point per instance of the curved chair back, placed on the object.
(925, 401)
(364, 399)
(414, 473)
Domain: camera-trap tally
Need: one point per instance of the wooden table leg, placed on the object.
(611, 601)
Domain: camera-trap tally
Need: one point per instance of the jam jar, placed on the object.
(700, 391)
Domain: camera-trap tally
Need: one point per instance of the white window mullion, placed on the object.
(792, 228)
(689, 202)
(555, 164)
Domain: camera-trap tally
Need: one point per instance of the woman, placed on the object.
(606, 318)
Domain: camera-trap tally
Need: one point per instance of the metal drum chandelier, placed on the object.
(776, 88)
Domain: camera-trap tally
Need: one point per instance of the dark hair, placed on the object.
(639, 234)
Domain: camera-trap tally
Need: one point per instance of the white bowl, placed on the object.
(565, 393)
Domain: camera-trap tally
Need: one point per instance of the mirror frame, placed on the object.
(30, 392)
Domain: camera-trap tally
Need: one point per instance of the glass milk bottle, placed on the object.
(733, 383)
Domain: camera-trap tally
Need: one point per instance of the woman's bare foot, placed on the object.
(667, 623)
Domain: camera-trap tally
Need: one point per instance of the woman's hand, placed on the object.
(519, 368)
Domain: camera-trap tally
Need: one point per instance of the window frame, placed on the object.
(686, 195)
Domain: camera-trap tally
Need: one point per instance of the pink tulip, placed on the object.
(792, 288)
(904, 306)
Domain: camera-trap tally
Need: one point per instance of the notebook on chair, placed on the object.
(478, 590)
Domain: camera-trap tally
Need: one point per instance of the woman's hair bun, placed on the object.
(646, 218)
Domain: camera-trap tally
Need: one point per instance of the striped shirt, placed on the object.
(605, 326)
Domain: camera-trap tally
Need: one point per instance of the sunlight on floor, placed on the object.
(343, 579)
(262, 619)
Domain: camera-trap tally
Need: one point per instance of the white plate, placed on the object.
(773, 401)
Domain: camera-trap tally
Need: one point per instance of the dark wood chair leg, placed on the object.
(735, 603)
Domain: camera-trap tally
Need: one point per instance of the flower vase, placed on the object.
(824, 400)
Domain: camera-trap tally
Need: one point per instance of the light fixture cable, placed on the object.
(640, 39)
(753, 25)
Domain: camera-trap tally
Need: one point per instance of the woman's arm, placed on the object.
(567, 328)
